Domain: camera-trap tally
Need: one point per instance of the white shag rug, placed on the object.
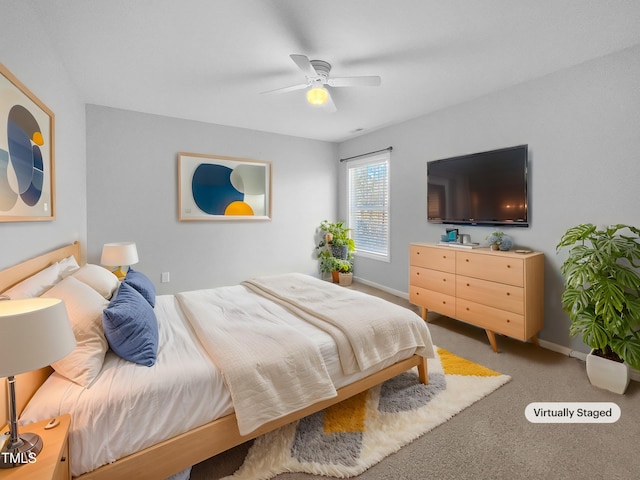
(346, 439)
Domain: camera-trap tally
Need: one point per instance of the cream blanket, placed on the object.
(270, 369)
(367, 330)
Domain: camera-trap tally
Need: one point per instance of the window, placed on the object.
(368, 205)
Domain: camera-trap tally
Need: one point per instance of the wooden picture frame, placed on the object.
(220, 188)
(27, 179)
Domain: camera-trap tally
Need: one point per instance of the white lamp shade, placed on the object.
(34, 332)
(118, 254)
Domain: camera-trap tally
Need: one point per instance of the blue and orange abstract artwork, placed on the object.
(223, 188)
(25, 154)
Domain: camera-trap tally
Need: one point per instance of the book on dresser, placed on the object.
(501, 292)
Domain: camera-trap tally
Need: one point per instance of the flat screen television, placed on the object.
(486, 188)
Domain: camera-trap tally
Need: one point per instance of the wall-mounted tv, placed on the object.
(486, 188)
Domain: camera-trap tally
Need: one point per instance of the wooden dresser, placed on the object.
(502, 292)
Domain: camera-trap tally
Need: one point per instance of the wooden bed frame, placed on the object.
(180, 452)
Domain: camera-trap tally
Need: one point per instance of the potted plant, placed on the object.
(602, 298)
(495, 239)
(345, 272)
(329, 264)
(334, 245)
(336, 237)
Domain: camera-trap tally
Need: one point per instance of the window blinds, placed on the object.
(368, 201)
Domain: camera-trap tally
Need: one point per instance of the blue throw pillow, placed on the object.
(142, 284)
(131, 327)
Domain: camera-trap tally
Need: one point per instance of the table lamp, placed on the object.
(119, 255)
(34, 333)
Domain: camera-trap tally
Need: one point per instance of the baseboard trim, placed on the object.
(384, 288)
(554, 347)
(635, 374)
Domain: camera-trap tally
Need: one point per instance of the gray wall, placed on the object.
(133, 196)
(583, 130)
(26, 52)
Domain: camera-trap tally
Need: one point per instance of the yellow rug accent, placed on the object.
(455, 365)
(346, 416)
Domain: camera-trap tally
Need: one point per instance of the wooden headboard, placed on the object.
(28, 383)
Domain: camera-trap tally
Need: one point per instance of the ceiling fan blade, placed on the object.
(370, 81)
(304, 64)
(286, 89)
(330, 106)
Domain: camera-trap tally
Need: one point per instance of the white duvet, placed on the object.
(130, 407)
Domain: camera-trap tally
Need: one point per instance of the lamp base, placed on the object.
(120, 272)
(21, 452)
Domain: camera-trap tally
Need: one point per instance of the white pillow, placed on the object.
(68, 266)
(100, 279)
(84, 307)
(36, 284)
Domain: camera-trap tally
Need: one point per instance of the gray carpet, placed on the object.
(492, 439)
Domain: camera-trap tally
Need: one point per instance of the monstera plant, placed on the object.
(602, 289)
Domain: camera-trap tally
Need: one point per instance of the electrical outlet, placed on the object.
(165, 278)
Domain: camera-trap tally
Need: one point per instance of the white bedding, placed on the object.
(130, 407)
(265, 362)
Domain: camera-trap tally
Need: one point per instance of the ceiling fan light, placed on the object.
(317, 96)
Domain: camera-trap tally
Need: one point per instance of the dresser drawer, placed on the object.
(495, 268)
(436, 301)
(490, 318)
(498, 295)
(433, 258)
(436, 280)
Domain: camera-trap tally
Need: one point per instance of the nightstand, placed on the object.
(53, 461)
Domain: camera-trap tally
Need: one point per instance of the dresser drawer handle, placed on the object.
(508, 294)
(418, 274)
(508, 321)
(467, 260)
(444, 302)
(444, 279)
(508, 266)
(468, 284)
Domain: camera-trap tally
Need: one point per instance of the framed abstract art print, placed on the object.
(26, 154)
(223, 188)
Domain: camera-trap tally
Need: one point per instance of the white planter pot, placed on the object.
(345, 279)
(608, 374)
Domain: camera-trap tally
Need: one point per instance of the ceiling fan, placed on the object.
(317, 77)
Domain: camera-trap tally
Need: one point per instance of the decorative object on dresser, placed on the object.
(121, 255)
(602, 298)
(502, 292)
(34, 333)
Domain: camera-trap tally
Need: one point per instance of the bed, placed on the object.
(115, 434)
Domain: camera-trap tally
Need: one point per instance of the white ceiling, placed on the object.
(208, 60)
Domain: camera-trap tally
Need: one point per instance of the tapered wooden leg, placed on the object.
(424, 313)
(423, 371)
(534, 340)
(492, 340)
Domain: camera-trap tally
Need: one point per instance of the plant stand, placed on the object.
(608, 374)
